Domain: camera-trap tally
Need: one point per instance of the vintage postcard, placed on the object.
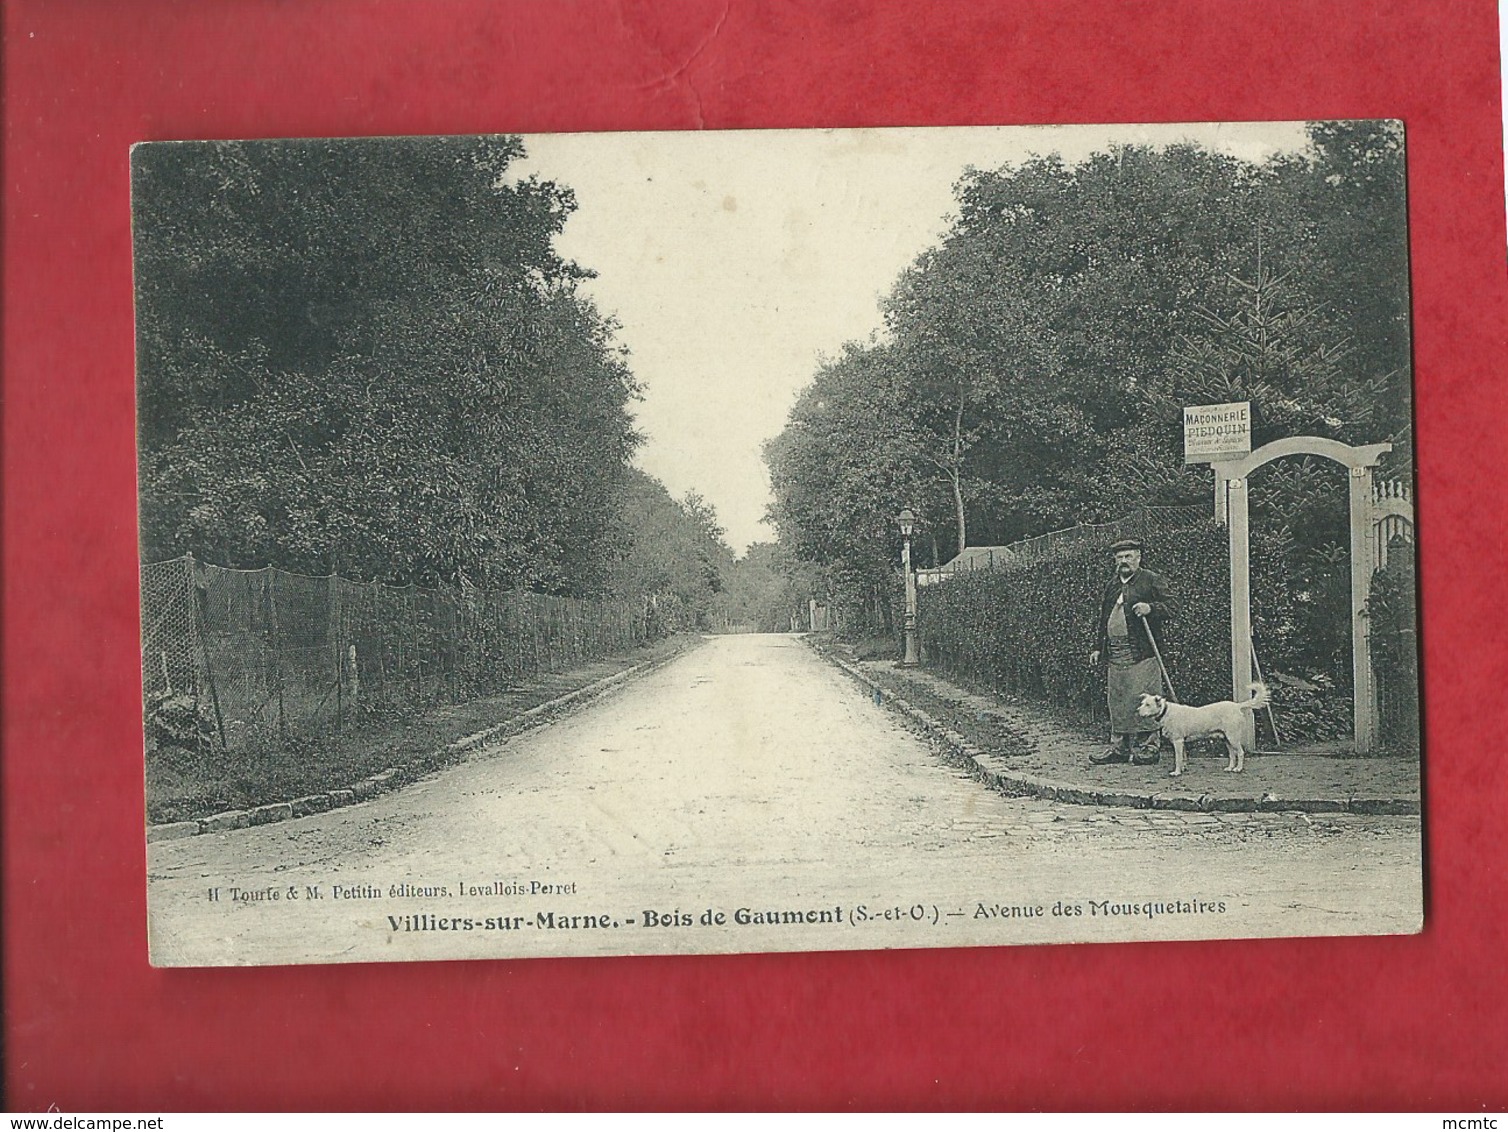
(775, 541)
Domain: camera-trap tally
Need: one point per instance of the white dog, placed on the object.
(1181, 723)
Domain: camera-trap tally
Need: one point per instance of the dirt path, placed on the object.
(751, 775)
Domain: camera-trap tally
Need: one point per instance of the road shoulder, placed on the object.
(1019, 749)
(446, 736)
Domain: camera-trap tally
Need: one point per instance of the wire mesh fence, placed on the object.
(1145, 522)
(254, 659)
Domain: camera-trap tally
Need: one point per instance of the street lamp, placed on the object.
(907, 521)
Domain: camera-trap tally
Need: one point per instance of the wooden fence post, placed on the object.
(270, 581)
(332, 593)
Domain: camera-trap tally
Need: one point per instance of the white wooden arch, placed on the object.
(1231, 510)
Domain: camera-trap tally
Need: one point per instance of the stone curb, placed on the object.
(1019, 784)
(396, 776)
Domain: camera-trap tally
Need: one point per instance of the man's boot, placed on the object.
(1148, 748)
(1119, 751)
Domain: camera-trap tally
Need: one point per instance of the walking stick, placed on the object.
(1168, 680)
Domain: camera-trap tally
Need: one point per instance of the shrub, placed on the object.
(175, 719)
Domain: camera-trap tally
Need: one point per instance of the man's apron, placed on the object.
(1129, 679)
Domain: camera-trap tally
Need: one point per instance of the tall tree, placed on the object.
(671, 547)
(1037, 358)
(366, 356)
(842, 469)
(1352, 189)
(768, 591)
(972, 349)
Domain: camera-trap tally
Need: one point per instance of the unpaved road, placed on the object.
(751, 781)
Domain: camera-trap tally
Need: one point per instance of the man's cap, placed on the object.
(1126, 544)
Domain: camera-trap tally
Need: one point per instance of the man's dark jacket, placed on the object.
(1144, 585)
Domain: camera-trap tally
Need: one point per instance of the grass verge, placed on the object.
(185, 784)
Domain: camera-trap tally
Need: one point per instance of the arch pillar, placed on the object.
(1231, 509)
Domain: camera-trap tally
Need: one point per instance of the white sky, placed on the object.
(736, 260)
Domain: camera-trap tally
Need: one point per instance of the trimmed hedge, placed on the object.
(1028, 629)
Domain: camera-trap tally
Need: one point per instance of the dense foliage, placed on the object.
(365, 357)
(838, 470)
(766, 590)
(670, 547)
(1394, 644)
(1036, 360)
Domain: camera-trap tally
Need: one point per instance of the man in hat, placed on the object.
(1134, 608)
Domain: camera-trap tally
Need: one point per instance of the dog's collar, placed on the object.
(1163, 712)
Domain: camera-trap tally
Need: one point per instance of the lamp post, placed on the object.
(907, 521)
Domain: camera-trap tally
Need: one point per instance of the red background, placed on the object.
(1414, 1022)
